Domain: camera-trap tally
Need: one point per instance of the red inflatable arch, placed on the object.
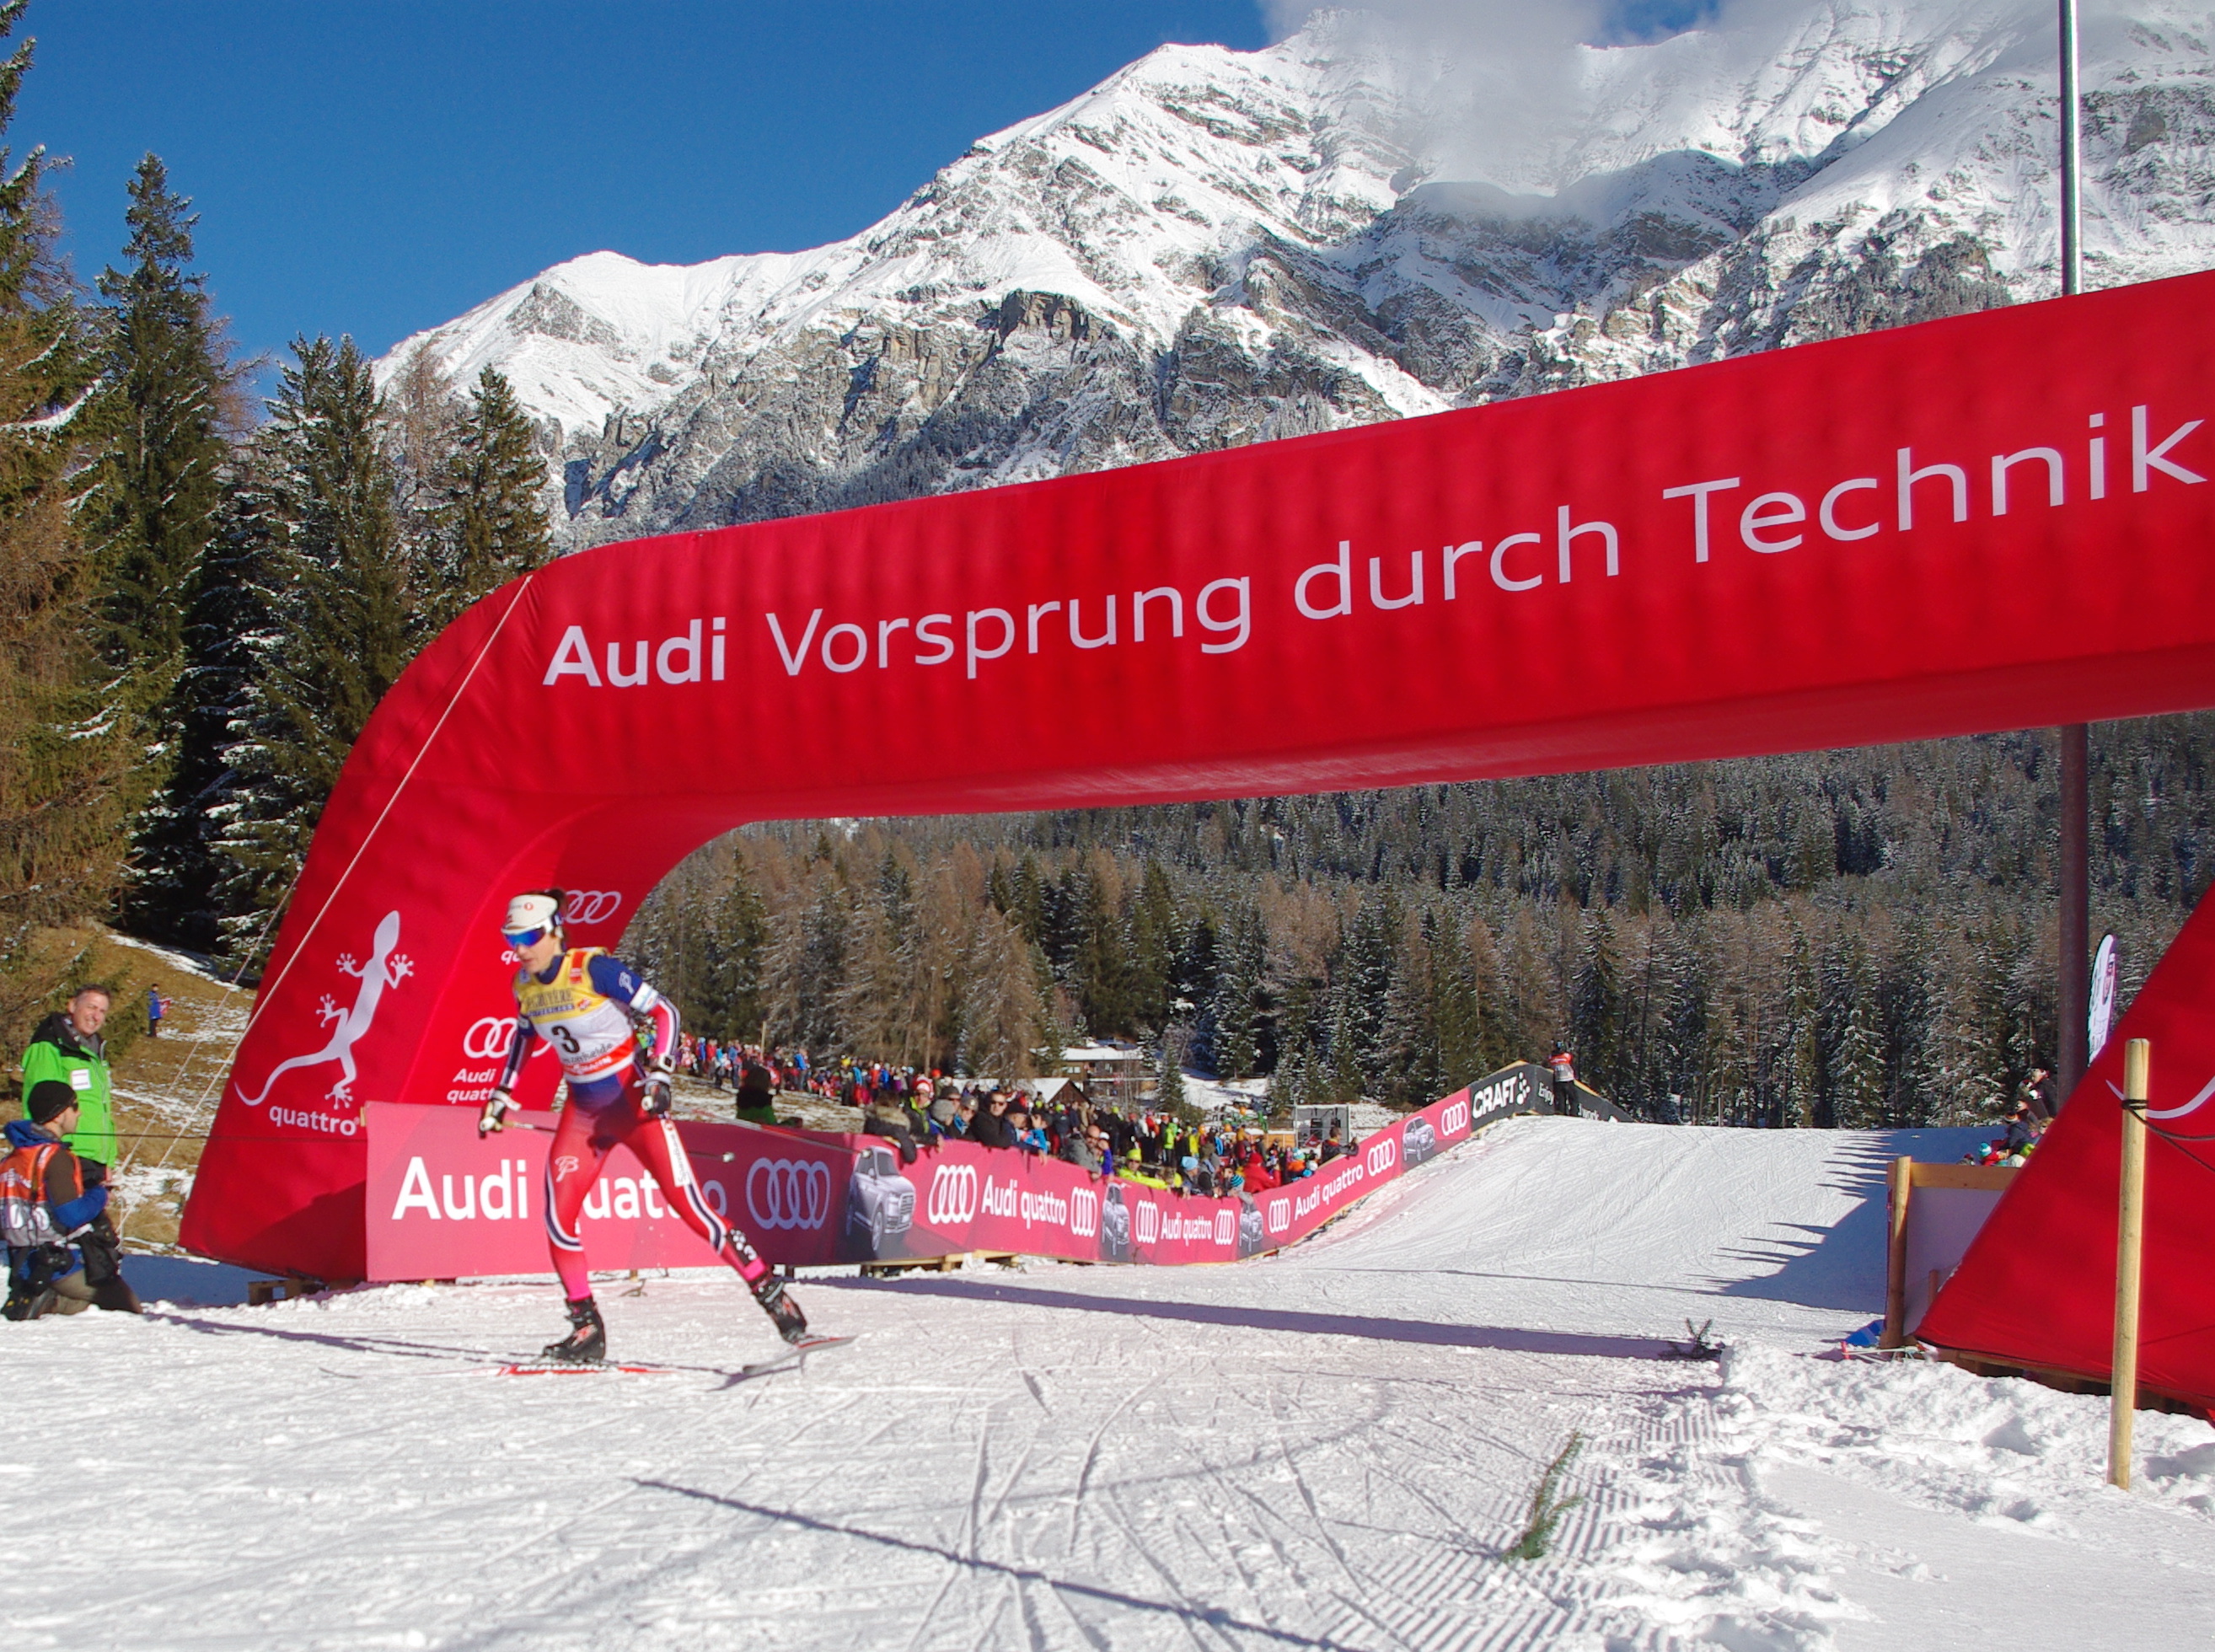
(1992, 522)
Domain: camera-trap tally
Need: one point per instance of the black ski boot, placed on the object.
(587, 1341)
(784, 1313)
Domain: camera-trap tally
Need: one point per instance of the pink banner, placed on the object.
(444, 1205)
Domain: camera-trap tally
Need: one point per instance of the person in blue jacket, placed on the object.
(45, 1207)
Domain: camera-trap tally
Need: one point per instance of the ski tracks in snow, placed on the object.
(1330, 1449)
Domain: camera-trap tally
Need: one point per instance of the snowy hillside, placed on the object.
(1329, 1448)
(1214, 247)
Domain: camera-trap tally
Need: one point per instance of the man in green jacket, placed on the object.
(68, 1048)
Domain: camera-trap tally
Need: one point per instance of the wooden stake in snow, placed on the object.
(1900, 1183)
(2130, 1231)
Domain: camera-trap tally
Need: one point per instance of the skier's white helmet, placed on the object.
(535, 910)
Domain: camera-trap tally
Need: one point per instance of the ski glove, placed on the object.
(654, 1104)
(496, 1110)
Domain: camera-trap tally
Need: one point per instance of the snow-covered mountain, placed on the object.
(1216, 247)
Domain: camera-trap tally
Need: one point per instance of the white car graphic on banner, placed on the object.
(880, 1200)
(1116, 1226)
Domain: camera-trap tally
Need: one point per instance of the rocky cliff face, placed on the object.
(1214, 248)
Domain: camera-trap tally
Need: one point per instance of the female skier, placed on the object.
(583, 1003)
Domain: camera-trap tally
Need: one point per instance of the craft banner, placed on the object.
(442, 1204)
(1992, 522)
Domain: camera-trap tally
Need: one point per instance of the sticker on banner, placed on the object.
(789, 1192)
(953, 1198)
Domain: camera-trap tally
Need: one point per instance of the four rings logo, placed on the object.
(1150, 1225)
(1454, 1119)
(1226, 1228)
(789, 1192)
(953, 1196)
(591, 906)
(487, 1039)
(1383, 1155)
(1280, 1214)
(1083, 1212)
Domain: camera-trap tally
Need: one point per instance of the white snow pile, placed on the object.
(1334, 1447)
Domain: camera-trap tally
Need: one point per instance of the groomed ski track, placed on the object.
(1330, 1448)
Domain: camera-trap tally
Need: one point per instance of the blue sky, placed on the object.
(375, 168)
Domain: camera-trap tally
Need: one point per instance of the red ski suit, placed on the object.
(582, 1006)
(582, 1142)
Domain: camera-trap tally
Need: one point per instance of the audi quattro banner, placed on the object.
(972, 1198)
(1992, 522)
(441, 1204)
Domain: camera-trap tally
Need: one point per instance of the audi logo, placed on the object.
(487, 1039)
(1150, 1225)
(1454, 1118)
(1226, 1228)
(1280, 1215)
(953, 1196)
(789, 1192)
(1083, 1212)
(591, 906)
(1383, 1155)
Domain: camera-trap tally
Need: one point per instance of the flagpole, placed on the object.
(2076, 871)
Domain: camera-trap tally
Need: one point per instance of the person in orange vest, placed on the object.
(45, 1207)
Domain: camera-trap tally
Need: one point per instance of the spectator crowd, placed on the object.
(915, 1109)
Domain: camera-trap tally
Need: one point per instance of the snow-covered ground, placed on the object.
(1328, 1448)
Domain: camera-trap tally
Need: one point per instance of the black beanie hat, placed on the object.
(49, 1099)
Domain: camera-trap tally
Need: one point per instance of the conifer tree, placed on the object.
(1234, 1015)
(1596, 1015)
(737, 957)
(185, 889)
(1407, 1066)
(169, 371)
(494, 521)
(66, 740)
(1151, 950)
(345, 612)
(170, 383)
(1003, 1018)
(1169, 1079)
(1456, 1004)
(421, 420)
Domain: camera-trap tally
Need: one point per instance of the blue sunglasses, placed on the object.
(519, 939)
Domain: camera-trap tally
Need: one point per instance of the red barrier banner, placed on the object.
(443, 1204)
(1996, 521)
